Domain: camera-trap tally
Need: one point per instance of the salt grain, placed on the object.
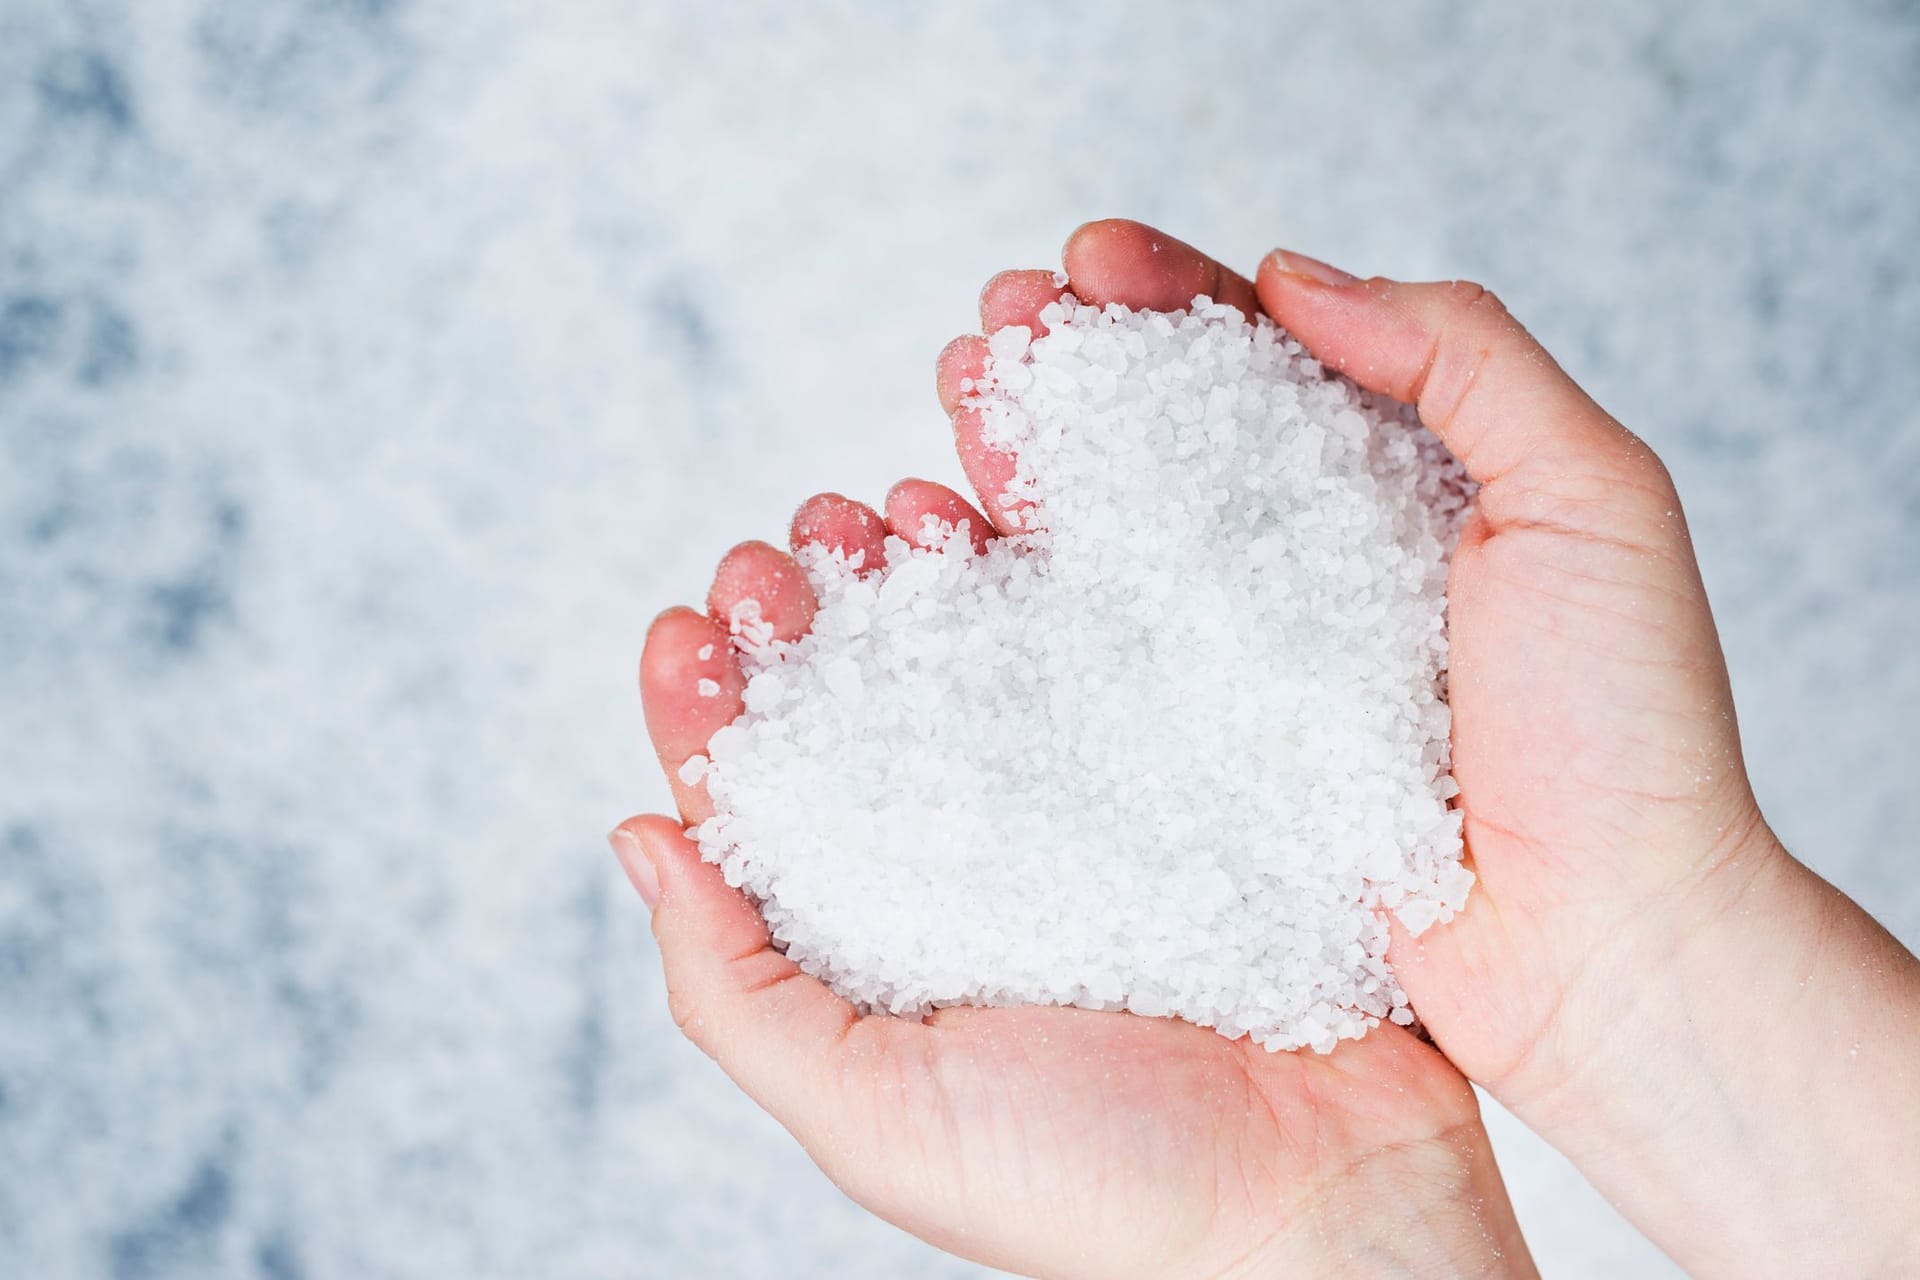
(1176, 746)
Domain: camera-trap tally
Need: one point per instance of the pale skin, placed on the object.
(1723, 1043)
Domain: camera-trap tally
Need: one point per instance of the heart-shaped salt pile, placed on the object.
(1177, 749)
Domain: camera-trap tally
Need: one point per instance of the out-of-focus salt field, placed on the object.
(372, 371)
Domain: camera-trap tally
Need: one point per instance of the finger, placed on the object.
(988, 468)
(841, 524)
(961, 361)
(1010, 298)
(1116, 260)
(1018, 298)
(1480, 381)
(774, 1029)
(690, 685)
(760, 584)
(910, 502)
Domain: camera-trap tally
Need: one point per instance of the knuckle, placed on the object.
(1472, 330)
(1475, 305)
(682, 1008)
(1651, 467)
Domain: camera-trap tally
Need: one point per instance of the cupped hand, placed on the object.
(1721, 1041)
(1049, 1141)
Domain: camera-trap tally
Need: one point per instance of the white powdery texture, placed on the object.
(1178, 748)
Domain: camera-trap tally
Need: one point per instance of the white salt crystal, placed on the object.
(905, 581)
(1178, 747)
(1010, 343)
(1418, 914)
(765, 690)
(842, 678)
(693, 770)
(707, 688)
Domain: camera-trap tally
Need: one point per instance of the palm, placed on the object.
(1563, 633)
(1174, 1149)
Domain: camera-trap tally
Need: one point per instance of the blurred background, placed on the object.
(371, 371)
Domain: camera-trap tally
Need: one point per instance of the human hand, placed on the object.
(1720, 1040)
(1055, 1142)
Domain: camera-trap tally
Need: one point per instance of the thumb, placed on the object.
(1480, 381)
(774, 1029)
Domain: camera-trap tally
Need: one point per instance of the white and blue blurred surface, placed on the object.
(372, 370)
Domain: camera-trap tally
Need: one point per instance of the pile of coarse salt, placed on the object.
(1177, 748)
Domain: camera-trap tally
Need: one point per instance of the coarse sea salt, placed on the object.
(1178, 746)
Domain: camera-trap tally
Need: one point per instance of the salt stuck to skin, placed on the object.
(1176, 747)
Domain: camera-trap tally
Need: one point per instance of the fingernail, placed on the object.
(639, 867)
(1299, 264)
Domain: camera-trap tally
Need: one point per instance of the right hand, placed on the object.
(1721, 1041)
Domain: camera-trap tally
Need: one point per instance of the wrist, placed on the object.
(1429, 1210)
(1741, 1057)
